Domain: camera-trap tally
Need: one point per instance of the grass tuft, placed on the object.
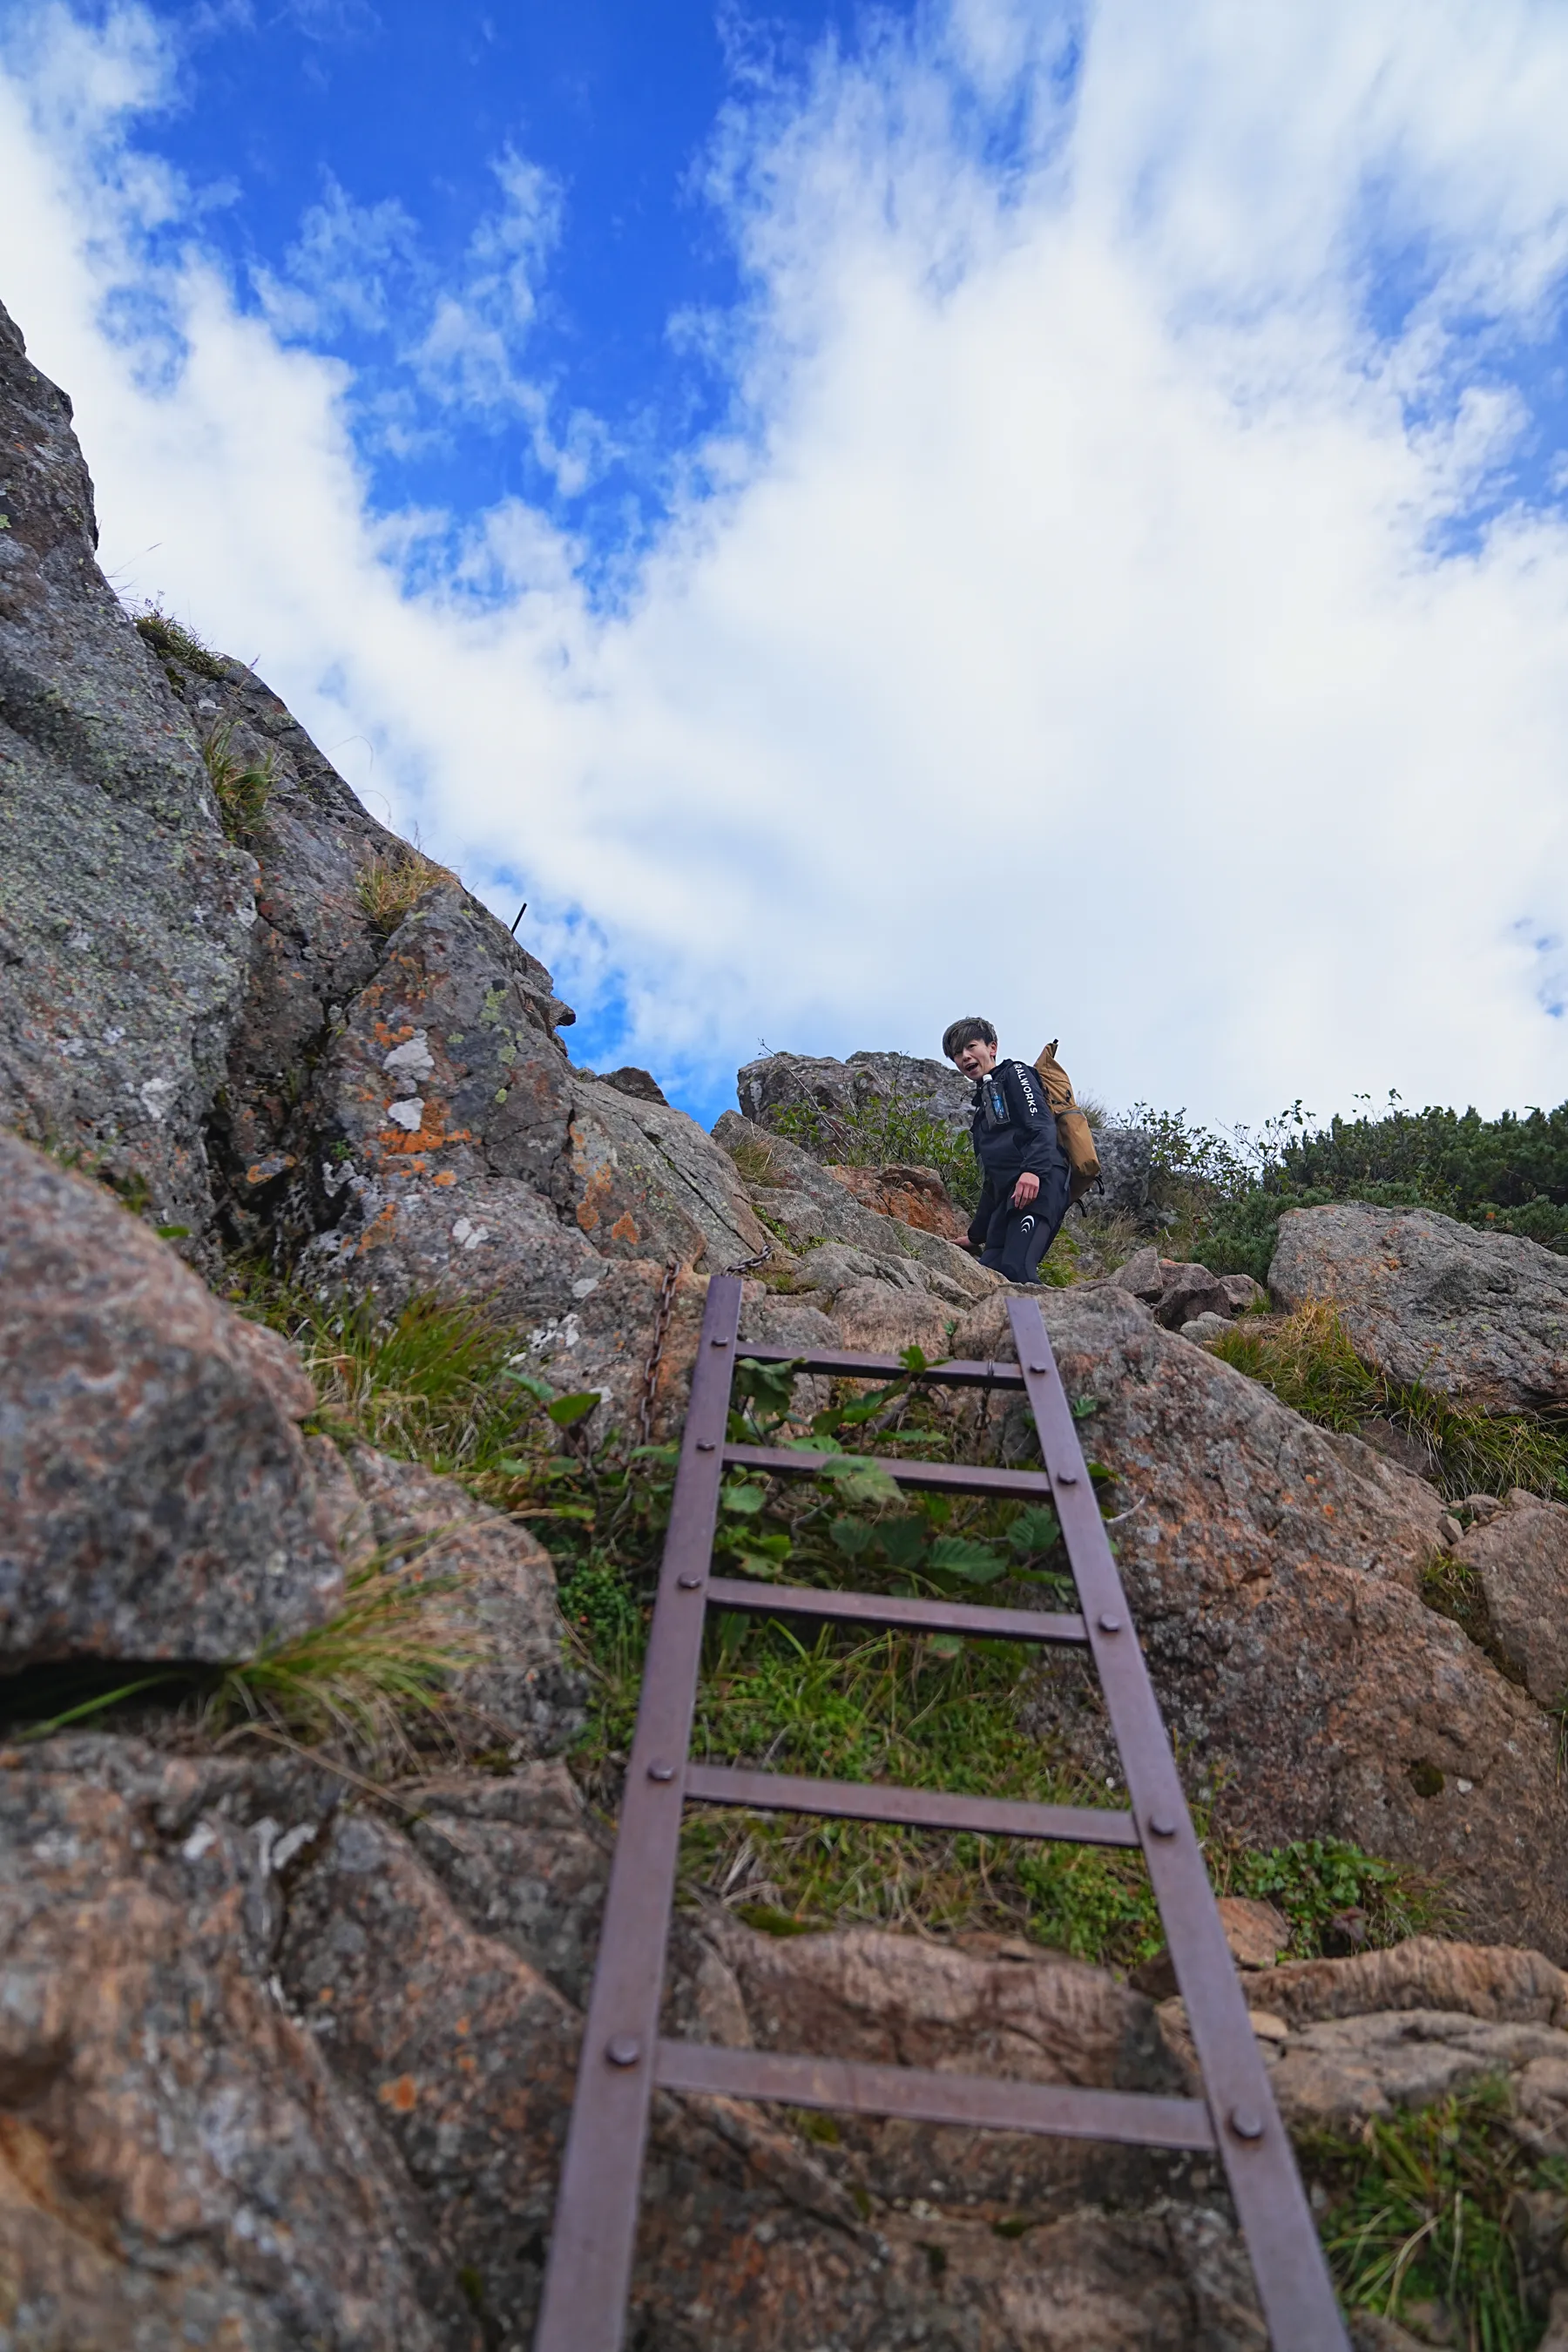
(1423, 2219)
(391, 883)
(173, 642)
(360, 1683)
(1310, 1363)
(241, 791)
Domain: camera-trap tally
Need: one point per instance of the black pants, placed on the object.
(1017, 1239)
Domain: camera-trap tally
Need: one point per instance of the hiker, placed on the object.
(1026, 1178)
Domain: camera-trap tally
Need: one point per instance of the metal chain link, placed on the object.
(661, 1328)
(655, 1352)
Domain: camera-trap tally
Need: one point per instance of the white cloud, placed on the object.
(1064, 636)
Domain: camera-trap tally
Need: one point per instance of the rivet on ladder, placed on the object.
(1161, 1826)
(661, 1771)
(623, 2049)
(1245, 2123)
(1110, 1625)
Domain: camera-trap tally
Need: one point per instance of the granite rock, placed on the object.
(1275, 1586)
(1521, 1557)
(124, 912)
(1484, 1315)
(159, 1501)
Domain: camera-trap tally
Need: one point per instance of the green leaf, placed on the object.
(743, 1500)
(904, 1541)
(859, 1480)
(945, 1646)
(172, 1232)
(530, 1383)
(1036, 1528)
(1083, 1406)
(852, 1536)
(914, 1360)
(758, 1564)
(567, 1410)
(976, 1563)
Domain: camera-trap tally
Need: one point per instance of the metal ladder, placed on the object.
(622, 2059)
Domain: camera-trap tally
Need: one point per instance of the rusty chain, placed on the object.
(661, 1330)
(656, 1351)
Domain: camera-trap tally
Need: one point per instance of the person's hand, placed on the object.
(1024, 1190)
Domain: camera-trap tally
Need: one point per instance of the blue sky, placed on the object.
(357, 155)
(862, 515)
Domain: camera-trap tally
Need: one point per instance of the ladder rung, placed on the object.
(853, 2088)
(943, 1478)
(921, 1809)
(897, 1610)
(960, 1372)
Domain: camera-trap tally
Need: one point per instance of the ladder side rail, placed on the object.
(1291, 2275)
(588, 2274)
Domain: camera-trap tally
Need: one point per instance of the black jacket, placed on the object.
(1012, 1128)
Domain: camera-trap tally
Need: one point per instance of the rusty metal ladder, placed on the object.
(623, 2060)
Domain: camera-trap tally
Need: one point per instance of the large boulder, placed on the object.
(124, 911)
(282, 2069)
(159, 1499)
(807, 1204)
(1275, 1575)
(1425, 1299)
(785, 1082)
(178, 2166)
(1522, 1558)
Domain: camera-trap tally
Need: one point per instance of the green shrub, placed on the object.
(883, 1132)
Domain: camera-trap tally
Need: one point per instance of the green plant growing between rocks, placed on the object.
(377, 1671)
(885, 1131)
(391, 883)
(1424, 2220)
(173, 642)
(1309, 1362)
(922, 1712)
(241, 791)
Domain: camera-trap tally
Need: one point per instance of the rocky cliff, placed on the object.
(305, 1811)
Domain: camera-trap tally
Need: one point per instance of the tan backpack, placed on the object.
(1074, 1132)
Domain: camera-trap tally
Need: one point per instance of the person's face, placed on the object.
(975, 1059)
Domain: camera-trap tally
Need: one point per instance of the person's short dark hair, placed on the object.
(959, 1033)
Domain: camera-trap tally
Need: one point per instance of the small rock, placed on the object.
(1243, 1293)
(1142, 1274)
(1205, 1327)
(1346, 1933)
(1255, 1932)
(633, 1081)
(1189, 1291)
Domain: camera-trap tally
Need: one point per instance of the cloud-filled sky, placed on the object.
(863, 514)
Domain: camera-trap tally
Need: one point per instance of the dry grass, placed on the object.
(391, 883)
